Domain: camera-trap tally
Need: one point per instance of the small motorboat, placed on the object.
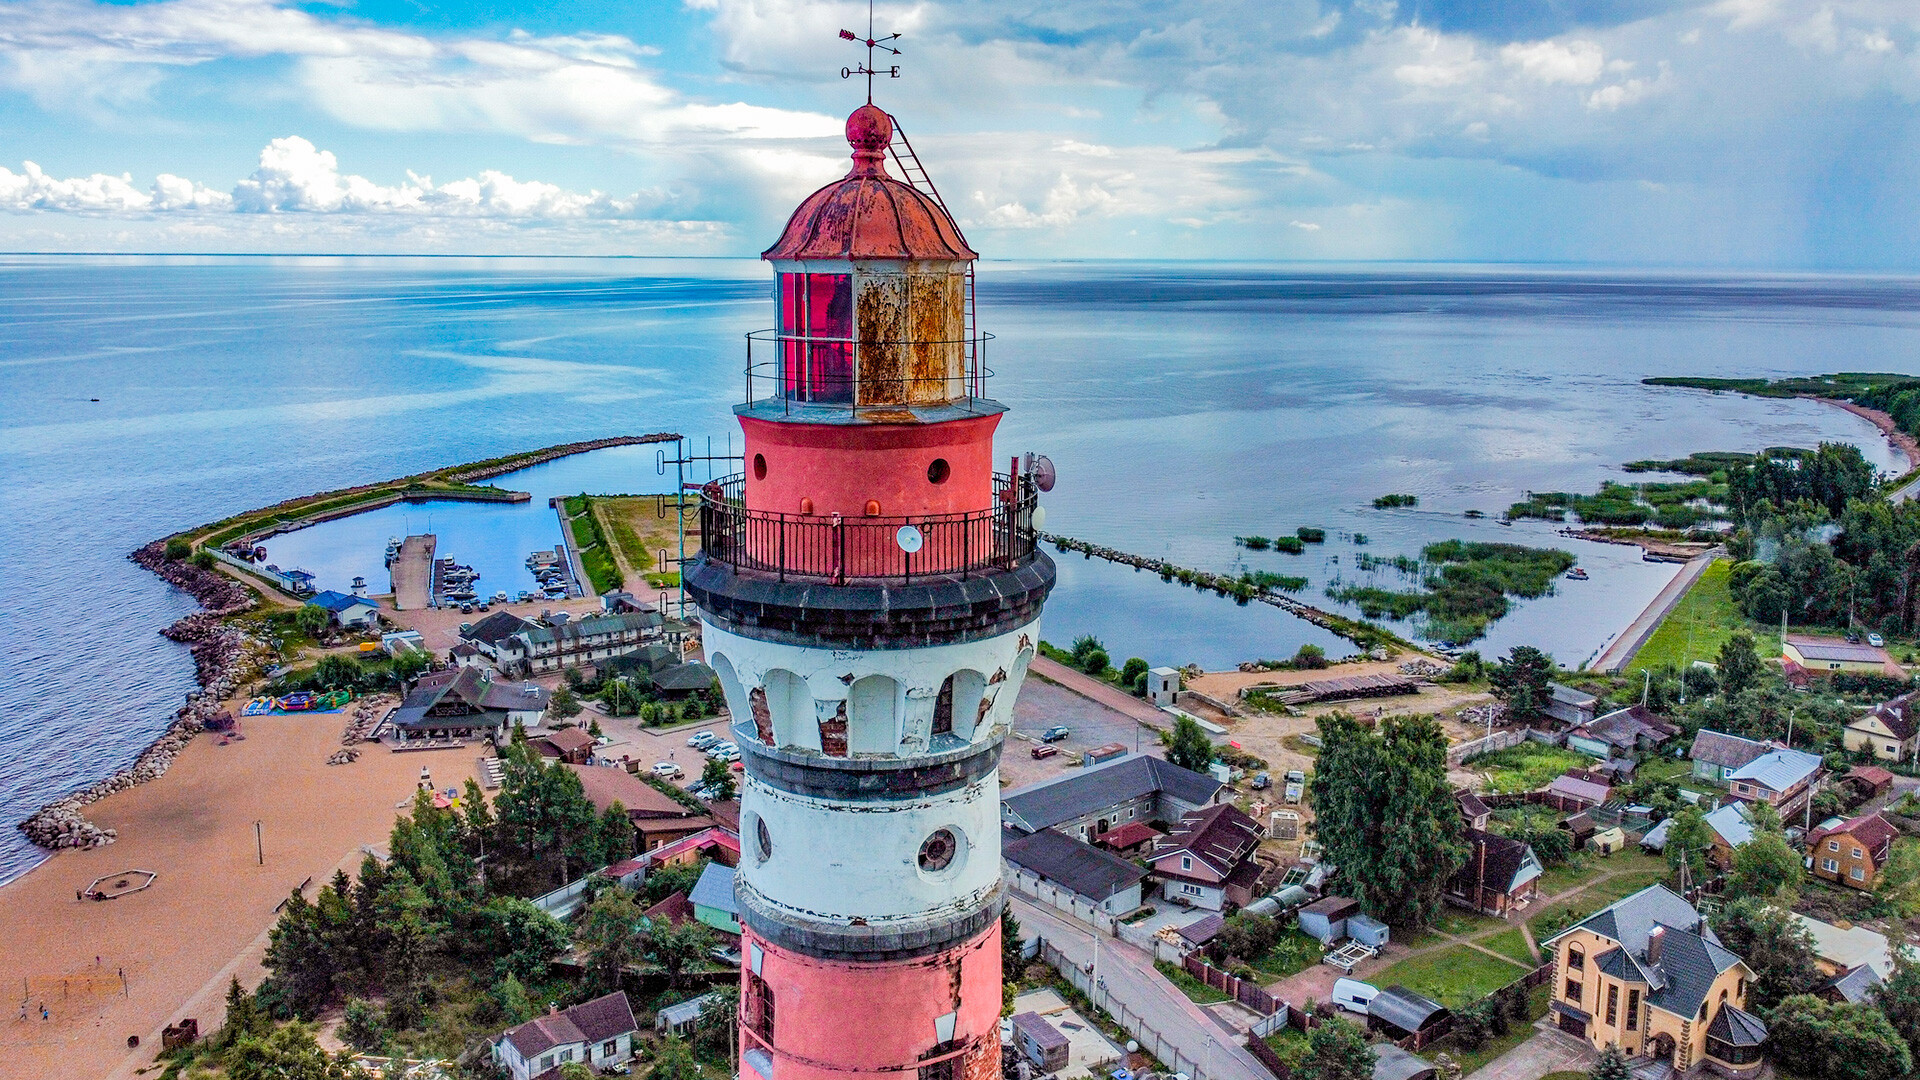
(1576, 574)
(500, 597)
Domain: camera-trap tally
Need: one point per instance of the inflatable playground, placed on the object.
(300, 701)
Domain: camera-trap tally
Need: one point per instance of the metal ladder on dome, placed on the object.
(916, 177)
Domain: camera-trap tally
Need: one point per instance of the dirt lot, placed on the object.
(1043, 704)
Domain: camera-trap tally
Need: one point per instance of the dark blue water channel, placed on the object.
(1184, 404)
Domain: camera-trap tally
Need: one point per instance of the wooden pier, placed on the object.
(412, 571)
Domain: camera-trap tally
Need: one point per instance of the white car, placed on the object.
(1876, 641)
(703, 739)
(725, 752)
(668, 770)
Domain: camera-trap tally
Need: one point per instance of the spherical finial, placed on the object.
(869, 128)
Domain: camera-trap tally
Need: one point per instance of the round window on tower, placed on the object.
(938, 851)
(762, 840)
(938, 472)
(759, 466)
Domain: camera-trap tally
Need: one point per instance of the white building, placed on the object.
(597, 1033)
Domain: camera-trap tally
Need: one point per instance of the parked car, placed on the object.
(1876, 641)
(1044, 750)
(668, 770)
(1055, 733)
(725, 752)
(1295, 776)
(703, 739)
(700, 791)
(1261, 781)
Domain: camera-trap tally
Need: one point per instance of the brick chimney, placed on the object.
(1653, 943)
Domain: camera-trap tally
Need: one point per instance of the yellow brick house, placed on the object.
(1889, 730)
(1648, 975)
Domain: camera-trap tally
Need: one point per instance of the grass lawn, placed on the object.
(1526, 767)
(1293, 953)
(1190, 986)
(1558, 879)
(1516, 1034)
(1463, 923)
(1454, 977)
(1700, 623)
(1626, 885)
(1510, 943)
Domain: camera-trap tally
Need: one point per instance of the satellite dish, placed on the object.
(1040, 467)
(909, 539)
(1039, 518)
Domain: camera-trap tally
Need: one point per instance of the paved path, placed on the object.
(1619, 651)
(1106, 694)
(1546, 1052)
(1131, 979)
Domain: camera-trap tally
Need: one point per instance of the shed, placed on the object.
(1162, 684)
(1038, 1042)
(1398, 1013)
(1608, 841)
(679, 1019)
(1291, 897)
(1367, 930)
(1107, 752)
(1325, 920)
(1581, 826)
(1202, 930)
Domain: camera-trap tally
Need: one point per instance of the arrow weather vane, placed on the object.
(871, 43)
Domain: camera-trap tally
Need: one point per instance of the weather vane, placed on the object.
(871, 43)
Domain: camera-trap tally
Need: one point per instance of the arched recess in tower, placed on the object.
(790, 704)
(730, 687)
(873, 707)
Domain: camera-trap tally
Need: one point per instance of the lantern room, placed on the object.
(871, 284)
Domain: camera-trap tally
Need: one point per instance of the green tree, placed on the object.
(1774, 944)
(362, 1027)
(1689, 840)
(1523, 681)
(718, 778)
(406, 666)
(178, 548)
(1611, 1066)
(565, 704)
(1896, 888)
(1010, 944)
(573, 1070)
(244, 1016)
(1337, 1050)
(518, 937)
(337, 671)
(301, 966)
(1132, 671)
(289, 1053)
(1310, 657)
(312, 619)
(1386, 815)
(610, 934)
(678, 947)
(1766, 866)
(543, 816)
(1188, 745)
(1823, 1041)
(1740, 664)
(510, 997)
(1899, 1000)
(674, 1060)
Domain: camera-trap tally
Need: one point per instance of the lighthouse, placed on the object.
(870, 588)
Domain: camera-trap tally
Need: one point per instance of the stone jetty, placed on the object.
(223, 657)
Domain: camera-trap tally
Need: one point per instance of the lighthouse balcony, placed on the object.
(866, 375)
(837, 550)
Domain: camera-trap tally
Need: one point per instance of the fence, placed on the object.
(1131, 1022)
(1269, 1060)
(1458, 753)
(564, 901)
(1246, 993)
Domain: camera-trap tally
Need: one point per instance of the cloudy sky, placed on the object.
(1737, 133)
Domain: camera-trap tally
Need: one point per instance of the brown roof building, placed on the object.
(1499, 874)
(1204, 861)
(658, 818)
(1852, 852)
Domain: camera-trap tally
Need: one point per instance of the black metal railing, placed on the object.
(836, 549)
(860, 373)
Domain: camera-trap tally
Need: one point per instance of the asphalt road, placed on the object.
(1131, 979)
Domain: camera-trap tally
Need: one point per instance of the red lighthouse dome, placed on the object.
(868, 214)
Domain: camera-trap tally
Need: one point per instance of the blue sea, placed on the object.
(1184, 404)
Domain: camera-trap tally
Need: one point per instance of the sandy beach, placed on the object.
(209, 909)
(1907, 445)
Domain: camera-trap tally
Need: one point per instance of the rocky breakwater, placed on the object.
(223, 655)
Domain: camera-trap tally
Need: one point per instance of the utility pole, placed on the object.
(259, 844)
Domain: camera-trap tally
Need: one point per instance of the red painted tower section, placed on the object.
(870, 589)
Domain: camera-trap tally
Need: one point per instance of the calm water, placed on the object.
(1183, 405)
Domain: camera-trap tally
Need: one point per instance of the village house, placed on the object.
(1572, 794)
(1783, 779)
(1826, 655)
(1852, 852)
(572, 745)
(658, 819)
(1473, 809)
(1730, 828)
(1889, 730)
(661, 667)
(347, 611)
(713, 901)
(1499, 875)
(1647, 974)
(1854, 959)
(467, 702)
(1569, 706)
(485, 636)
(541, 647)
(1717, 755)
(1207, 861)
(1088, 802)
(597, 1034)
(1093, 876)
(1621, 733)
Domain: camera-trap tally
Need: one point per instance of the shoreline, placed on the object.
(225, 656)
(1905, 444)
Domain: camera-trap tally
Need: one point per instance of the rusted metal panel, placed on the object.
(936, 320)
(880, 313)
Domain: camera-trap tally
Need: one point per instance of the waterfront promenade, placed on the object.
(1619, 652)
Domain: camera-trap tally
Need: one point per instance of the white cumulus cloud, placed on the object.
(1575, 62)
(32, 189)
